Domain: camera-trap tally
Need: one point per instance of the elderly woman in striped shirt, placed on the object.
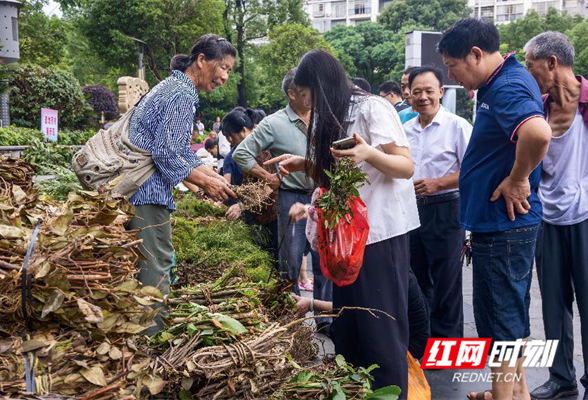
(162, 123)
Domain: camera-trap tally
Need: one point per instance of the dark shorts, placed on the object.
(503, 264)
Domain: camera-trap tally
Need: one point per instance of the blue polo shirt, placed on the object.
(508, 99)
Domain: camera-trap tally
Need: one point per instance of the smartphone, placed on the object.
(344, 144)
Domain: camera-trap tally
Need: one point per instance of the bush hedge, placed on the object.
(33, 87)
(103, 100)
(19, 136)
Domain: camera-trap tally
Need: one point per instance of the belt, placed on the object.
(441, 198)
(304, 192)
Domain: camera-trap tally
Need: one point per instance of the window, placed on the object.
(15, 29)
(339, 9)
(319, 10)
(319, 26)
(359, 8)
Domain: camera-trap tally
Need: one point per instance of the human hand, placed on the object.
(302, 305)
(426, 187)
(287, 163)
(274, 182)
(515, 195)
(234, 212)
(217, 188)
(360, 152)
(297, 212)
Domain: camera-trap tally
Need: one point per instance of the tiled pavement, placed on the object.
(443, 388)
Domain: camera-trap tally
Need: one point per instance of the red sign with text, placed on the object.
(49, 123)
(456, 353)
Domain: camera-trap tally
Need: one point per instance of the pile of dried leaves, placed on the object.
(66, 321)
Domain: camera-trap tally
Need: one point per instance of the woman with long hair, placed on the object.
(341, 110)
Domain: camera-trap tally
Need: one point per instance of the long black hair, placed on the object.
(330, 101)
(212, 46)
(239, 118)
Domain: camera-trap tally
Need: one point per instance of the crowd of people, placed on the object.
(517, 180)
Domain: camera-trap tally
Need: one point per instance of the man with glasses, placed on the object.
(391, 91)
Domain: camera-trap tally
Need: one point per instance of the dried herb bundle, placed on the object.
(83, 303)
(334, 380)
(346, 179)
(255, 196)
(83, 270)
(71, 363)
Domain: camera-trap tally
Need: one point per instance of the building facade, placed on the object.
(504, 11)
(326, 14)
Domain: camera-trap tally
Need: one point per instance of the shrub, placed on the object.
(33, 87)
(19, 136)
(103, 101)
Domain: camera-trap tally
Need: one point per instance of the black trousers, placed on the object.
(562, 269)
(435, 250)
(364, 338)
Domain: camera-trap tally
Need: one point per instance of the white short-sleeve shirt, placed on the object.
(391, 202)
(437, 150)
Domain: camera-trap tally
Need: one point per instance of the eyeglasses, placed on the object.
(386, 95)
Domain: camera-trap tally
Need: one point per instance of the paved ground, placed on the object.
(443, 388)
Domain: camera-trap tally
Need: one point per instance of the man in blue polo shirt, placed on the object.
(498, 187)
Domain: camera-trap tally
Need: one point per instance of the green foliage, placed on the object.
(336, 383)
(346, 179)
(515, 35)
(33, 87)
(579, 37)
(166, 26)
(248, 20)
(372, 51)
(436, 14)
(189, 206)
(287, 44)
(18, 136)
(47, 157)
(58, 188)
(220, 241)
(42, 38)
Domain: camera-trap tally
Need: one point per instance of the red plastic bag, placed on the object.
(341, 249)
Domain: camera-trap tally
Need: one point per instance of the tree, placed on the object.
(436, 14)
(33, 87)
(165, 27)
(515, 35)
(42, 38)
(579, 38)
(287, 44)
(248, 20)
(373, 50)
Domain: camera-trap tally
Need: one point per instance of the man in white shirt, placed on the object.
(200, 126)
(562, 254)
(438, 140)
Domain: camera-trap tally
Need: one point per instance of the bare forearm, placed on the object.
(260, 173)
(448, 181)
(533, 142)
(393, 165)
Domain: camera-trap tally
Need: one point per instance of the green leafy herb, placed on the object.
(346, 179)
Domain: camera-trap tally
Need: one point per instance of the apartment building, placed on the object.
(326, 14)
(504, 11)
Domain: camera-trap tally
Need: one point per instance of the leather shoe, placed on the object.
(551, 390)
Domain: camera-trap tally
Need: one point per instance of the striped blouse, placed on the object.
(162, 123)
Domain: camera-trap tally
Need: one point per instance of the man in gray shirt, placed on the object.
(284, 132)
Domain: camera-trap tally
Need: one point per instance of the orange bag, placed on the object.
(418, 387)
(341, 249)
